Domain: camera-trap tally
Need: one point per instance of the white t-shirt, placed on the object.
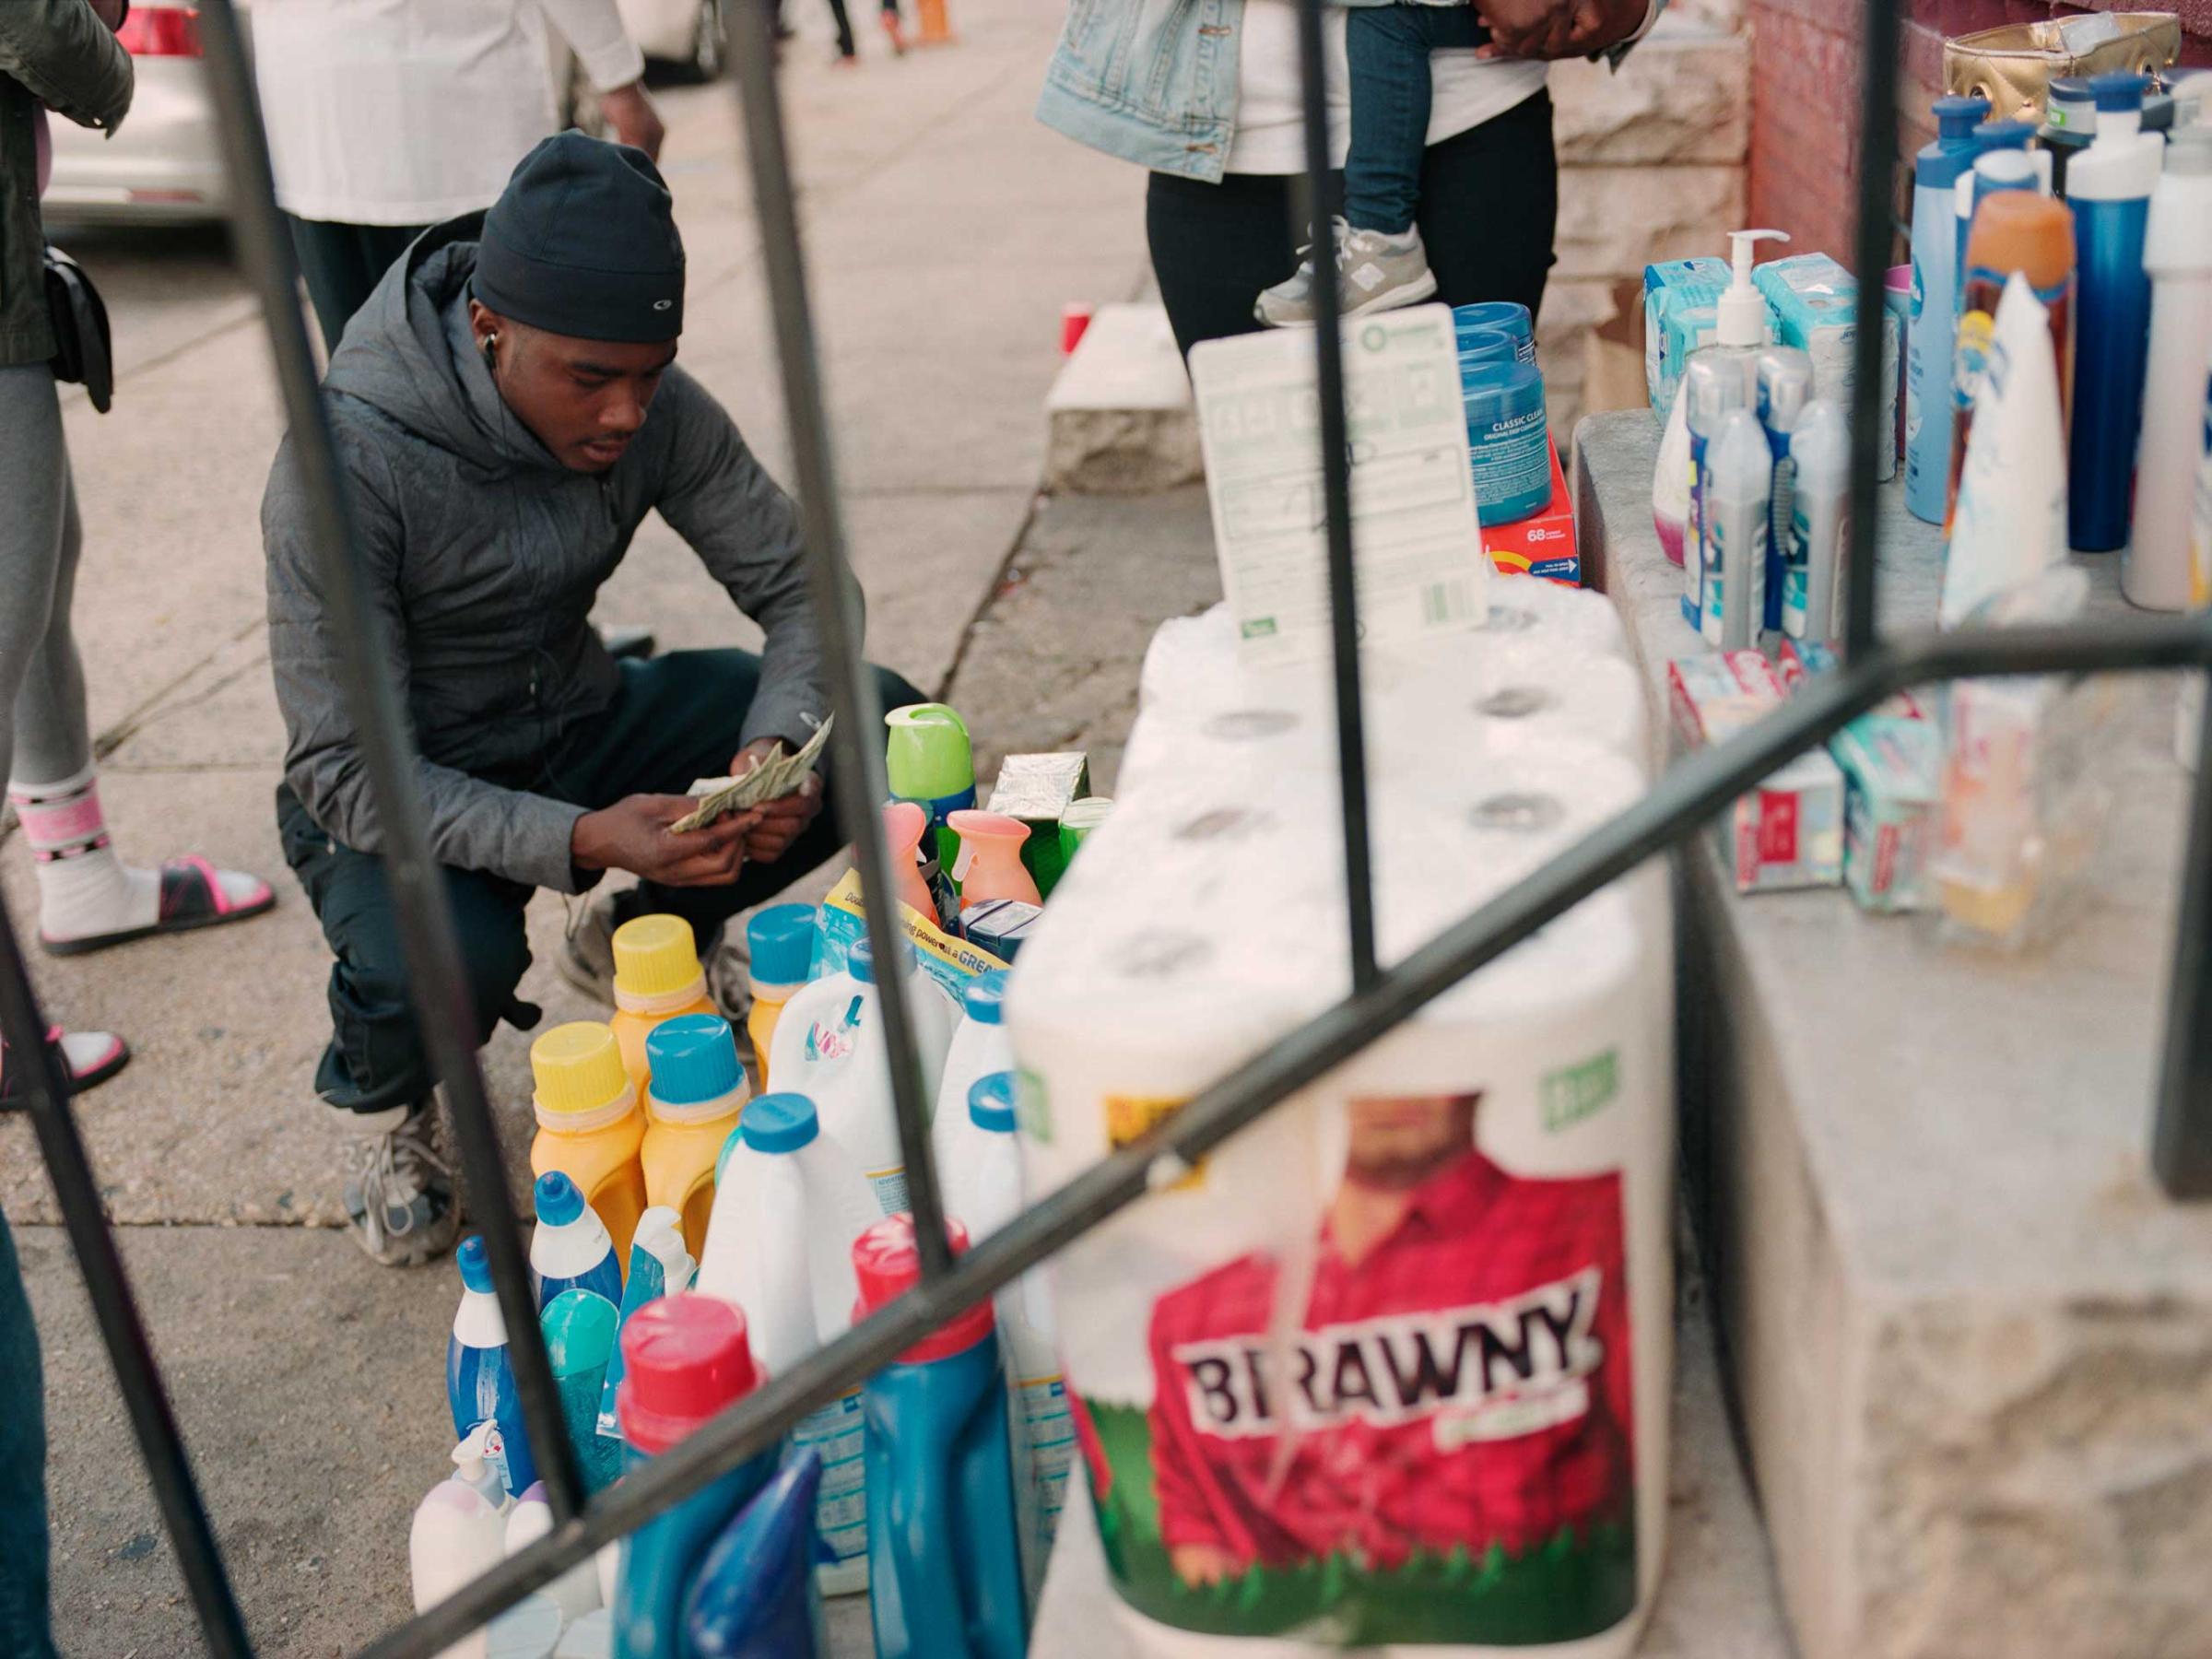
(409, 111)
(1464, 90)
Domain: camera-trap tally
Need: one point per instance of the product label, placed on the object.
(1441, 1448)
(1512, 461)
(1575, 1092)
(1050, 1431)
(1032, 1107)
(1795, 572)
(841, 1507)
(890, 1189)
(1693, 541)
(1777, 828)
(1977, 330)
(1130, 1117)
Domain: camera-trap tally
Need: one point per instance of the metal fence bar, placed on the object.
(856, 748)
(1336, 505)
(1677, 807)
(443, 1008)
(39, 1073)
(2181, 1141)
(1878, 169)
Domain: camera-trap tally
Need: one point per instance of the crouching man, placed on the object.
(508, 410)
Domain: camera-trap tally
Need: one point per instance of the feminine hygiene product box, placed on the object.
(1788, 832)
(1543, 543)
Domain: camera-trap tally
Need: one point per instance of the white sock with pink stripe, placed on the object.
(84, 889)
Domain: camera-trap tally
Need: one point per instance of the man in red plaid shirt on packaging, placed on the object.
(1461, 1379)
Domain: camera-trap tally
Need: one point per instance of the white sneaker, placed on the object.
(1375, 271)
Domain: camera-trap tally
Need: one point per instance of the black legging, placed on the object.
(1490, 199)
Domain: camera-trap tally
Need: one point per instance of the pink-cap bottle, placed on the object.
(904, 824)
(990, 866)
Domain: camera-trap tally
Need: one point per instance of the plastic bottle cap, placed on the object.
(1741, 316)
(1487, 346)
(2069, 106)
(476, 1264)
(781, 939)
(779, 1123)
(974, 821)
(693, 1059)
(560, 1203)
(1509, 314)
(928, 755)
(887, 1261)
(2119, 89)
(684, 1359)
(985, 997)
(2021, 231)
(2004, 167)
(475, 1448)
(656, 956)
(579, 1328)
(991, 1102)
(578, 1067)
(1957, 116)
(2002, 135)
(860, 961)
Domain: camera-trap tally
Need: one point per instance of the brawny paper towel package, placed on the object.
(1440, 1272)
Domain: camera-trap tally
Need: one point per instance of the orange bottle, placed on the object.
(2013, 231)
(589, 1126)
(990, 865)
(657, 976)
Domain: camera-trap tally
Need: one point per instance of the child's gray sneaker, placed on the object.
(1375, 271)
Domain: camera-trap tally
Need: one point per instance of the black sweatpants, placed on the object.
(1489, 199)
(677, 718)
(343, 264)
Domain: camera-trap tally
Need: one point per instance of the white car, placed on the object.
(687, 34)
(166, 161)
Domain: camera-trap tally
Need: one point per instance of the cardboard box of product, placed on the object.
(1788, 832)
(1892, 769)
(1542, 544)
(1814, 303)
(1037, 789)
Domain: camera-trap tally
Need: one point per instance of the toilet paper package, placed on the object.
(1388, 1369)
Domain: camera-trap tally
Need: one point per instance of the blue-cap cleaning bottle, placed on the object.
(944, 1552)
(684, 1359)
(659, 1265)
(1935, 303)
(755, 1596)
(1989, 138)
(2109, 186)
(479, 1376)
(571, 1248)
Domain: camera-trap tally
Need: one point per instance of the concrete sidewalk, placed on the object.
(945, 231)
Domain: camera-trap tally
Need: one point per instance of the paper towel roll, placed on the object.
(1585, 623)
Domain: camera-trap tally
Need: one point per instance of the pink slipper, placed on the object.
(193, 894)
(92, 1058)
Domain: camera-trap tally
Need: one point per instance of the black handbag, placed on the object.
(82, 353)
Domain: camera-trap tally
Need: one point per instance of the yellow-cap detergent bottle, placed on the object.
(589, 1126)
(657, 976)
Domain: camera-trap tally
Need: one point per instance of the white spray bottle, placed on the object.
(1739, 477)
(2177, 251)
(458, 1532)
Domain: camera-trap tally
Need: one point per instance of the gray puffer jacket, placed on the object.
(483, 554)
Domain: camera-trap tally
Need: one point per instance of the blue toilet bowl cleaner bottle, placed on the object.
(2109, 186)
(571, 1248)
(944, 1554)
(1935, 303)
(684, 1359)
(659, 1265)
(754, 1596)
(480, 1378)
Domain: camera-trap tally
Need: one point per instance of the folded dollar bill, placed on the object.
(774, 778)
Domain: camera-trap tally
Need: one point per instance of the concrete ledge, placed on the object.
(1972, 1340)
(1120, 415)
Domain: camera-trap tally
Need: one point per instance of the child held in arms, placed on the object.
(1380, 262)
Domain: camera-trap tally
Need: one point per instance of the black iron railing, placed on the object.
(1675, 809)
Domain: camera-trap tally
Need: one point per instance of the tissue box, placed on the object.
(1542, 544)
(1816, 306)
(1789, 831)
(1662, 279)
(1891, 769)
(1802, 658)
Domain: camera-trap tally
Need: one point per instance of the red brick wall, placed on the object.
(1805, 101)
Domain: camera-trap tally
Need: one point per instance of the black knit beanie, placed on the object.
(582, 241)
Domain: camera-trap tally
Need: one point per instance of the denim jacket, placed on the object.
(1155, 81)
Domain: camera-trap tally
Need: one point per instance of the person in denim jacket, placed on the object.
(1205, 94)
